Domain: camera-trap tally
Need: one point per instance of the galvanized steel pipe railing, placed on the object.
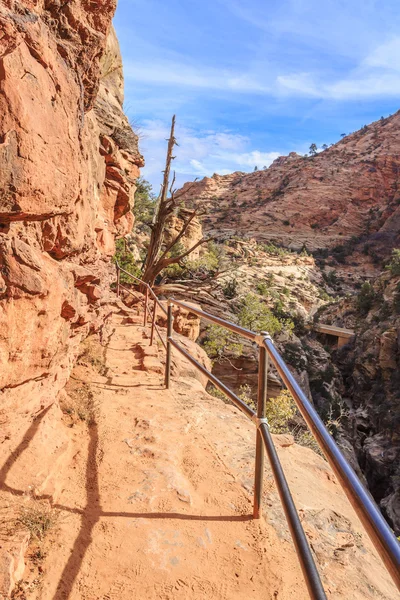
(366, 509)
(264, 438)
(369, 514)
(378, 530)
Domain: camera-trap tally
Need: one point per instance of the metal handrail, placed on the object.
(377, 528)
(147, 286)
(369, 514)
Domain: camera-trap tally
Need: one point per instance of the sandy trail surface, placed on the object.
(157, 501)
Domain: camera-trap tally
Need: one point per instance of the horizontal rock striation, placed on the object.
(349, 189)
(69, 163)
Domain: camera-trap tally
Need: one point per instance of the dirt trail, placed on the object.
(155, 504)
(149, 510)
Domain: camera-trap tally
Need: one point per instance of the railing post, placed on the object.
(261, 400)
(153, 322)
(118, 279)
(168, 359)
(146, 299)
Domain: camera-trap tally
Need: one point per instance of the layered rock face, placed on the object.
(370, 367)
(69, 162)
(349, 189)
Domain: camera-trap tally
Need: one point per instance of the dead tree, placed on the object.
(158, 253)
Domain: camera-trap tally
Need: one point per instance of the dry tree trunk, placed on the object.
(157, 254)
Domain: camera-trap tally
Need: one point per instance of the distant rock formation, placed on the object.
(350, 189)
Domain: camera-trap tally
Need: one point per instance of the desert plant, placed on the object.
(394, 265)
(126, 260)
(365, 298)
(145, 203)
(38, 518)
(245, 395)
(255, 315)
(219, 342)
(230, 288)
(280, 411)
(313, 149)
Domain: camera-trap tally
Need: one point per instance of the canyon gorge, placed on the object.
(78, 378)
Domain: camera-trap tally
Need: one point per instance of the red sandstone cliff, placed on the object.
(69, 162)
(350, 189)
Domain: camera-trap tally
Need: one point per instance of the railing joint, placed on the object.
(260, 421)
(261, 337)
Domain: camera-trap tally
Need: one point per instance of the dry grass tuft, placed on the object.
(91, 354)
(38, 518)
(81, 405)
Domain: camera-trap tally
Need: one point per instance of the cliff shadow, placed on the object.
(22, 446)
(90, 515)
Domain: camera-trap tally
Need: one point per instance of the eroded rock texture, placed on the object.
(69, 162)
(369, 365)
(349, 189)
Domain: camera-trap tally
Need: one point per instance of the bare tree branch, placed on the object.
(156, 259)
(179, 236)
(177, 259)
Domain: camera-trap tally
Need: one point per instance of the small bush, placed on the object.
(280, 411)
(126, 260)
(38, 519)
(396, 300)
(245, 395)
(365, 298)
(219, 342)
(262, 288)
(230, 289)
(214, 391)
(145, 202)
(255, 315)
(394, 265)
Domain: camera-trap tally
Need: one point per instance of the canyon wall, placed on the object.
(370, 367)
(350, 189)
(69, 162)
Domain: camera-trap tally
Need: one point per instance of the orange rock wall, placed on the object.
(349, 189)
(69, 162)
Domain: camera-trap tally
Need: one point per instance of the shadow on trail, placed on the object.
(89, 517)
(92, 513)
(22, 446)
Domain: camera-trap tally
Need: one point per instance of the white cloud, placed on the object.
(377, 75)
(298, 84)
(178, 73)
(367, 81)
(199, 154)
(255, 158)
(385, 56)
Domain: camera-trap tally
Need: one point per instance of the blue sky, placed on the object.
(252, 80)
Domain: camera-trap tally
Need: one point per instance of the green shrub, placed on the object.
(280, 411)
(230, 289)
(396, 300)
(255, 315)
(145, 203)
(365, 298)
(262, 288)
(207, 265)
(246, 395)
(219, 342)
(126, 260)
(274, 250)
(394, 265)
